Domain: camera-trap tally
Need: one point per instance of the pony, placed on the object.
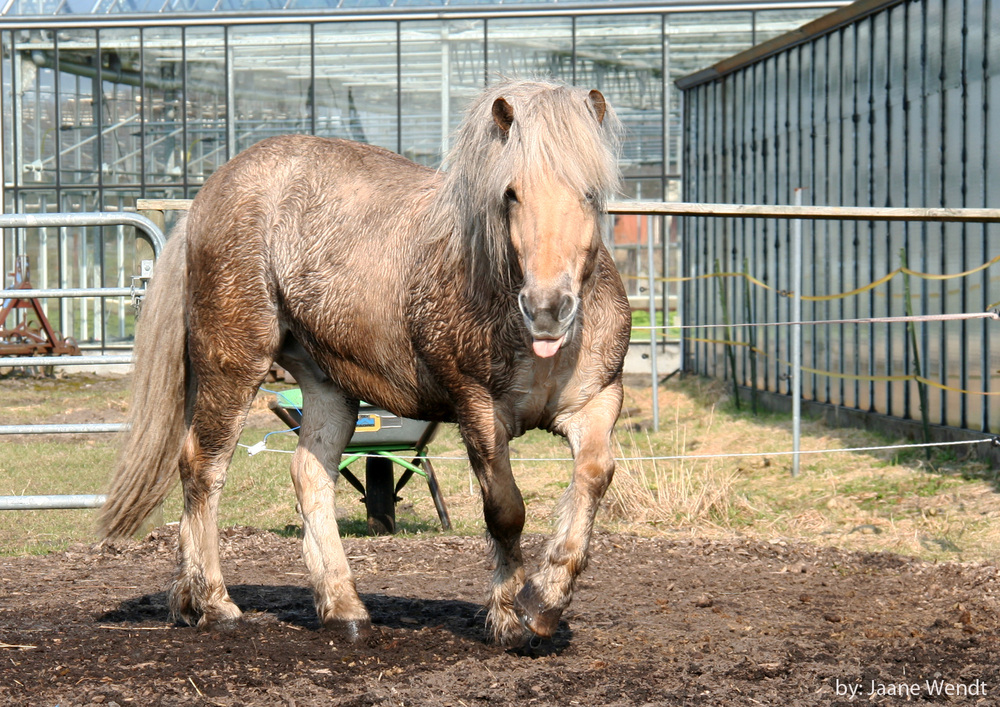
(481, 295)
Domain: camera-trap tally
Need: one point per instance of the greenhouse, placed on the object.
(109, 101)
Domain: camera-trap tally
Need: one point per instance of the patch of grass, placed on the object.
(640, 318)
(50, 466)
(942, 508)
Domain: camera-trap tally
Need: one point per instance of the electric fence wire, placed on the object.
(868, 320)
(995, 441)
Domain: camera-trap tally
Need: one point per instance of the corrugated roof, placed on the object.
(51, 9)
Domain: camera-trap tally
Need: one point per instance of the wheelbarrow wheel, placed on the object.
(380, 496)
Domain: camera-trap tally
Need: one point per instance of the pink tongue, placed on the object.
(544, 348)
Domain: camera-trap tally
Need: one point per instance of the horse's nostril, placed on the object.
(522, 303)
(567, 308)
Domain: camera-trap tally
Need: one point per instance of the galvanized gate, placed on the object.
(145, 229)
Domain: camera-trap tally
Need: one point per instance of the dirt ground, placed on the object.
(667, 621)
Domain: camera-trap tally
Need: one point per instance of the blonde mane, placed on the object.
(554, 129)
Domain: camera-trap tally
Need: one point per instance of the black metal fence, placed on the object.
(882, 104)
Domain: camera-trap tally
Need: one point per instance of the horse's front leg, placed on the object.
(503, 509)
(548, 592)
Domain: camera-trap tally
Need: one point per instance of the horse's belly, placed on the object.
(387, 379)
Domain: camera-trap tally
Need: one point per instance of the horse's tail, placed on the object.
(147, 465)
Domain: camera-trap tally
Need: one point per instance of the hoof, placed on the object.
(351, 630)
(512, 638)
(536, 647)
(223, 617)
(533, 613)
(226, 624)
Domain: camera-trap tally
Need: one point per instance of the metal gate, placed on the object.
(144, 228)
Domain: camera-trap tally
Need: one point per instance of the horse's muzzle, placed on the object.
(548, 314)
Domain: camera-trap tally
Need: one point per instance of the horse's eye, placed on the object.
(510, 196)
(591, 196)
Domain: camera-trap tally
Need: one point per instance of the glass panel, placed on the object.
(309, 4)
(365, 3)
(674, 190)
(526, 47)
(121, 107)
(356, 82)
(623, 58)
(205, 63)
(442, 70)
(120, 199)
(32, 244)
(75, 136)
(163, 126)
(628, 247)
(695, 41)
(773, 23)
(92, 7)
(271, 78)
(46, 7)
(78, 200)
(130, 6)
(209, 5)
(698, 40)
(630, 237)
(35, 112)
(77, 129)
(642, 190)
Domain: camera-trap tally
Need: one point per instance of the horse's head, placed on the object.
(529, 172)
(554, 215)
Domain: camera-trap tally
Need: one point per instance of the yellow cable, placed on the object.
(849, 376)
(841, 295)
(932, 276)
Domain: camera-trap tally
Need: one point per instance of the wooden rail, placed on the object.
(664, 208)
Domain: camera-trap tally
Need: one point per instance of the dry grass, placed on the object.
(942, 508)
(670, 491)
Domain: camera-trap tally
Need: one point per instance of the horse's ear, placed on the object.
(503, 115)
(599, 105)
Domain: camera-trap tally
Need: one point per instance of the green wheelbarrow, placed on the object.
(379, 437)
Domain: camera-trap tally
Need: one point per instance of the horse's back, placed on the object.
(321, 236)
(304, 206)
(300, 179)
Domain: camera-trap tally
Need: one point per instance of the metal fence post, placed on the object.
(796, 337)
(653, 339)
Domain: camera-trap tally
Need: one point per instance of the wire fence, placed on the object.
(781, 372)
(726, 210)
(993, 441)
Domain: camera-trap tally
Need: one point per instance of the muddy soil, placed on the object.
(663, 621)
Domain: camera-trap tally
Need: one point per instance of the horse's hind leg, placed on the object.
(548, 592)
(221, 402)
(328, 421)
